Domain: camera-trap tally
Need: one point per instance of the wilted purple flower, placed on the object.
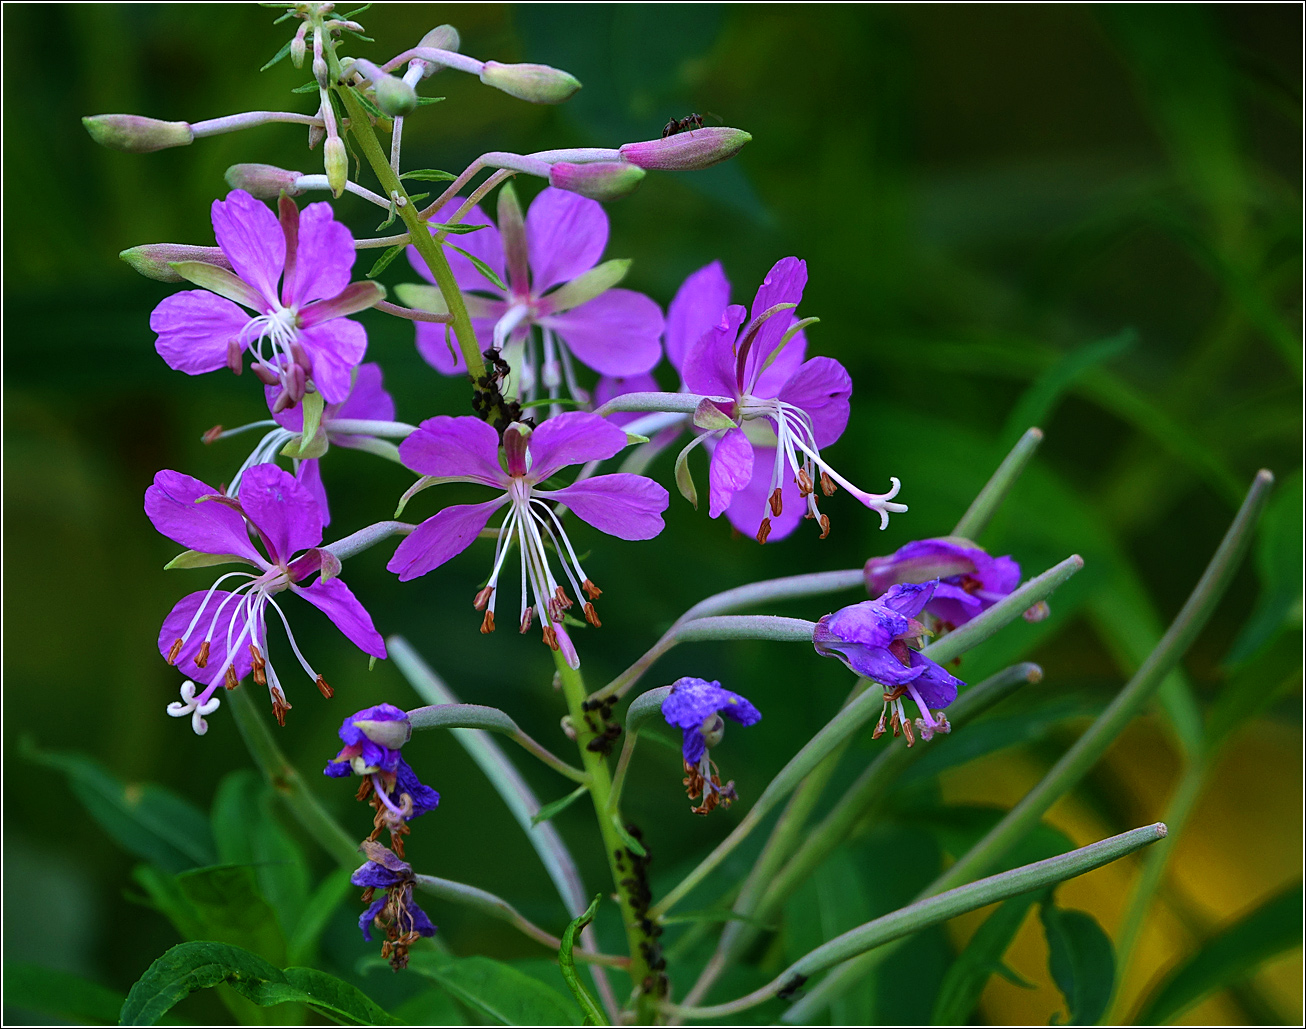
(466, 449)
(403, 922)
(220, 636)
(544, 260)
(969, 580)
(795, 407)
(872, 638)
(297, 334)
(372, 740)
(695, 706)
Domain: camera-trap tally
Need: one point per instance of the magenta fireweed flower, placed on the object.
(695, 706)
(216, 636)
(395, 913)
(296, 334)
(763, 385)
(466, 449)
(970, 581)
(872, 638)
(544, 259)
(372, 739)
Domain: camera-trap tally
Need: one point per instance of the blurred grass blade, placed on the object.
(969, 973)
(592, 1012)
(1228, 958)
(981, 509)
(1081, 961)
(1278, 564)
(46, 991)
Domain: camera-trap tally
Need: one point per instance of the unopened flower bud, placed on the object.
(154, 260)
(392, 734)
(264, 181)
(713, 730)
(687, 151)
(600, 180)
(442, 37)
(536, 83)
(336, 163)
(320, 72)
(137, 135)
(394, 96)
(298, 48)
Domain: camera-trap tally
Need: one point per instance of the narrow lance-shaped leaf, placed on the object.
(588, 1006)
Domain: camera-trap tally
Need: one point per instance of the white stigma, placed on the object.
(195, 707)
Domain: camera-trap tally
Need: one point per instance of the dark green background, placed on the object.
(979, 192)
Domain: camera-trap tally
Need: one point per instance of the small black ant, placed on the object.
(685, 124)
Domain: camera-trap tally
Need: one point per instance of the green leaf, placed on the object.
(685, 478)
(428, 175)
(383, 262)
(1228, 957)
(589, 285)
(969, 973)
(229, 908)
(430, 1007)
(588, 1006)
(46, 991)
(308, 87)
(1278, 565)
(631, 843)
(422, 101)
(199, 559)
(457, 229)
(481, 266)
(198, 966)
(146, 820)
(368, 105)
(312, 441)
(285, 50)
(549, 810)
(497, 991)
(301, 945)
(1081, 960)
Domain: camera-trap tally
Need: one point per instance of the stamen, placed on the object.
(231, 681)
(827, 485)
(550, 637)
(202, 658)
(906, 731)
(175, 651)
(487, 623)
(591, 616)
(212, 435)
(483, 598)
(764, 530)
(324, 688)
(825, 526)
(565, 602)
(591, 591)
(526, 621)
(260, 673)
(804, 481)
(279, 706)
(777, 502)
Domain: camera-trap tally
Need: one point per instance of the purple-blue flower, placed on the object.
(872, 638)
(970, 581)
(219, 636)
(372, 739)
(695, 706)
(396, 913)
(614, 331)
(296, 331)
(466, 449)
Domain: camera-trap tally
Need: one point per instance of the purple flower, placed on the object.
(296, 333)
(372, 740)
(220, 636)
(396, 913)
(544, 259)
(695, 706)
(872, 639)
(969, 581)
(784, 409)
(466, 449)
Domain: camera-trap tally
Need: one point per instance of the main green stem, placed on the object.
(589, 726)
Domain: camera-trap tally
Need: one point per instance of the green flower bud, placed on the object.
(536, 83)
(394, 96)
(264, 181)
(336, 163)
(137, 135)
(154, 260)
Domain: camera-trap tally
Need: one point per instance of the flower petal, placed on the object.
(367, 919)
(309, 475)
(783, 284)
(937, 687)
(779, 371)
(572, 437)
(324, 259)
(231, 611)
(821, 387)
(485, 244)
(367, 399)
(621, 504)
(750, 504)
(424, 798)
(334, 599)
(908, 598)
(617, 333)
(566, 234)
(695, 309)
(709, 366)
(868, 623)
(195, 330)
(455, 447)
(211, 527)
(336, 348)
(447, 533)
(251, 238)
(283, 511)
(730, 471)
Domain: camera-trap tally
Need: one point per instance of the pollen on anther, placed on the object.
(777, 502)
(202, 658)
(212, 435)
(827, 485)
(279, 706)
(324, 688)
(174, 651)
(231, 681)
(592, 616)
(550, 637)
(804, 482)
(526, 620)
(764, 530)
(825, 526)
(483, 598)
(487, 623)
(590, 590)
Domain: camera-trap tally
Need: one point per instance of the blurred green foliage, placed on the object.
(1087, 216)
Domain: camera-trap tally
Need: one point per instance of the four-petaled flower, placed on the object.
(218, 636)
(465, 449)
(372, 739)
(970, 581)
(297, 334)
(872, 638)
(760, 380)
(696, 706)
(614, 331)
(396, 913)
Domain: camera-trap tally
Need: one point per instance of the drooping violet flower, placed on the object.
(395, 913)
(970, 581)
(872, 638)
(695, 706)
(548, 261)
(297, 333)
(762, 384)
(216, 636)
(466, 449)
(372, 740)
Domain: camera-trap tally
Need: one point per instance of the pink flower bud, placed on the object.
(264, 181)
(442, 37)
(600, 180)
(135, 134)
(536, 83)
(687, 151)
(153, 259)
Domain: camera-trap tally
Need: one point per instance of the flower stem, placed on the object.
(981, 509)
(632, 891)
